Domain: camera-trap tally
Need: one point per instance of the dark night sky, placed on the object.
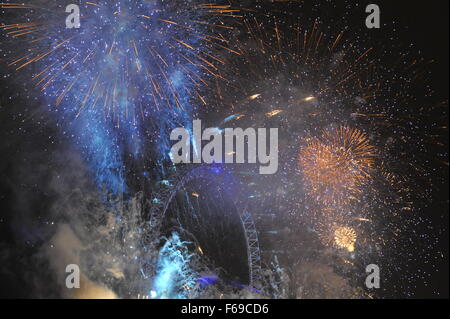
(427, 27)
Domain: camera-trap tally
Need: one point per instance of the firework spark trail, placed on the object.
(133, 71)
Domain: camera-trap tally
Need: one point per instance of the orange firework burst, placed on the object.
(337, 165)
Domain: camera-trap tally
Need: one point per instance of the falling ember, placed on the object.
(254, 97)
(337, 164)
(273, 113)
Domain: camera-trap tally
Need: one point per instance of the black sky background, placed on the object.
(426, 25)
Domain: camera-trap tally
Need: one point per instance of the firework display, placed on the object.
(341, 132)
(103, 92)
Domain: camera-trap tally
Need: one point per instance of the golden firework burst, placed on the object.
(345, 237)
(337, 164)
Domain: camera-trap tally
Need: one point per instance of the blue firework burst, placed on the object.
(132, 71)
